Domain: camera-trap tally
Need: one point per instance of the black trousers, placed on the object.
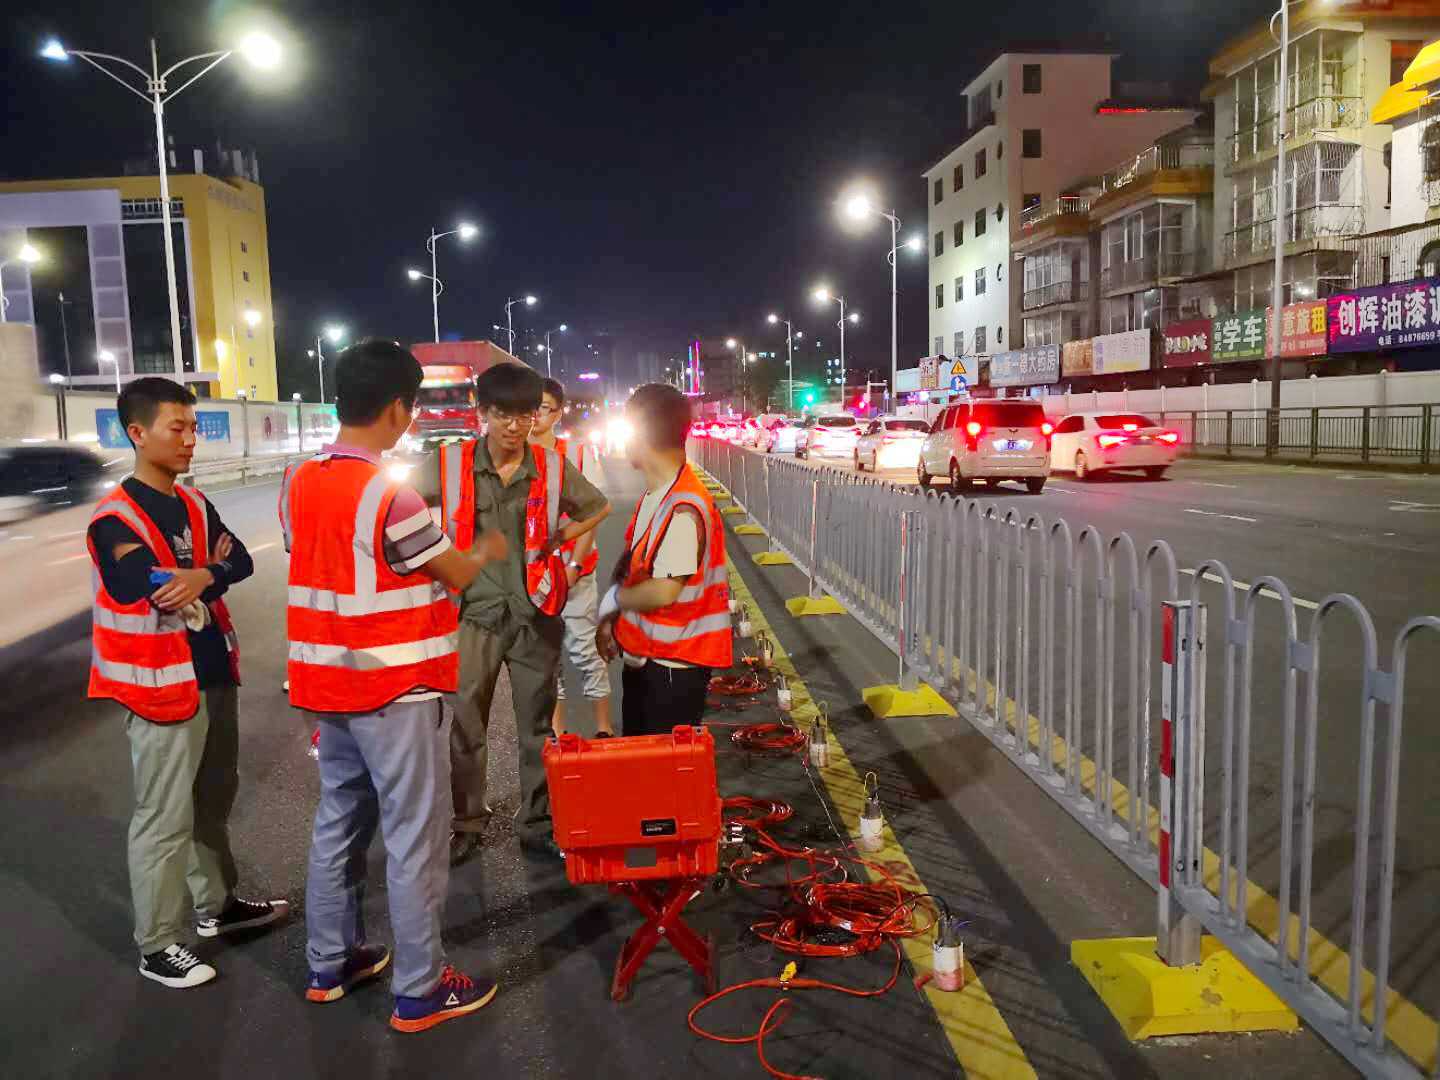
(656, 698)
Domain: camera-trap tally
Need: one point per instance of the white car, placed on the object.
(831, 437)
(988, 441)
(1094, 442)
(890, 442)
(783, 436)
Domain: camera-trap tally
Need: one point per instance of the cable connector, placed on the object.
(788, 973)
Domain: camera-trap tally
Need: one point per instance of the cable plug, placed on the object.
(788, 974)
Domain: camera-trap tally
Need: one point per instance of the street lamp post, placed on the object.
(789, 356)
(824, 295)
(465, 231)
(260, 50)
(27, 255)
(549, 353)
(105, 356)
(738, 348)
(529, 300)
(860, 206)
(334, 333)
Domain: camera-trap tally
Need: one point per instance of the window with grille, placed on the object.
(939, 244)
(1030, 79)
(979, 339)
(957, 178)
(1030, 143)
(979, 281)
(939, 345)
(959, 289)
(959, 349)
(1430, 152)
(939, 191)
(940, 295)
(979, 163)
(959, 237)
(979, 222)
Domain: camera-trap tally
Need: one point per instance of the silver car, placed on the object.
(988, 441)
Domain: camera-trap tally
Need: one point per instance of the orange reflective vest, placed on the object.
(545, 579)
(695, 629)
(361, 635)
(140, 655)
(575, 454)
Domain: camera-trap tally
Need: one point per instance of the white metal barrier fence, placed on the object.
(1010, 616)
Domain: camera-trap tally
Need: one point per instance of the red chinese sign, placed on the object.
(1302, 329)
(1187, 343)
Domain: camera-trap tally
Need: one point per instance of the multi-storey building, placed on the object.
(1036, 120)
(102, 288)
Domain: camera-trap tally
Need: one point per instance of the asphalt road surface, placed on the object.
(73, 1004)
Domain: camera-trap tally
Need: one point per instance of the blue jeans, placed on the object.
(392, 769)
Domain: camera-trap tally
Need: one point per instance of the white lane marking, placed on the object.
(64, 535)
(1228, 517)
(1403, 506)
(19, 538)
(1362, 476)
(71, 558)
(1062, 490)
(261, 547)
(1244, 586)
(1211, 483)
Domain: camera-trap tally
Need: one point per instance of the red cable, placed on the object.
(769, 738)
(773, 811)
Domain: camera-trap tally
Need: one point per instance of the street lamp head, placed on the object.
(28, 253)
(468, 231)
(772, 319)
(53, 50)
(563, 328)
(858, 207)
(242, 393)
(335, 333)
(56, 378)
(799, 335)
(531, 301)
(914, 243)
(105, 356)
(310, 353)
(413, 274)
(295, 397)
(854, 316)
(730, 343)
(252, 317)
(262, 50)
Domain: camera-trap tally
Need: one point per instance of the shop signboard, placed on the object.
(1026, 367)
(1240, 336)
(1187, 343)
(1399, 315)
(1116, 353)
(1077, 357)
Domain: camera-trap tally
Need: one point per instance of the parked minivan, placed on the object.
(988, 441)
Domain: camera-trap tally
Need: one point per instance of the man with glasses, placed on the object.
(510, 613)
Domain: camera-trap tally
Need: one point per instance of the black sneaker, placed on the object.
(463, 845)
(176, 966)
(242, 915)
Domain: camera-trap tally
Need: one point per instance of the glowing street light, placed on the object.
(529, 300)
(27, 254)
(466, 231)
(550, 353)
(858, 207)
(259, 49)
(790, 336)
(334, 332)
(823, 295)
(105, 356)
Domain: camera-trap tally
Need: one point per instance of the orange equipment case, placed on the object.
(639, 808)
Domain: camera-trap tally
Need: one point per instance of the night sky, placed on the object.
(652, 171)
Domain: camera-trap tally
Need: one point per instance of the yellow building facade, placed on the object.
(226, 270)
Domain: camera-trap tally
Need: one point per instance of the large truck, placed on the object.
(446, 404)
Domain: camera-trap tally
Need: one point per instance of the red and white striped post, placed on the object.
(1177, 941)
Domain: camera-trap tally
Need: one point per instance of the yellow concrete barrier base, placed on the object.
(890, 701)
(800, 606)
(733, 510)
(749, 530)
(773, 558)
(1149, 998)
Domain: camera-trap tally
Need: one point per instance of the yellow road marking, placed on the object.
(982, 1041)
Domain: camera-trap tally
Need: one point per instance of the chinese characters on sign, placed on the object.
(1026, 367)
(1386, 316)
(212, 426)
(1129, 351)
(929, 373)
(1239, 337)
(1302, 329)
(1187, 343)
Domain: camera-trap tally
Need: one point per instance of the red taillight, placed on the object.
(1107, 440)
(973, 431)
(1047, 429)
(1171, 438)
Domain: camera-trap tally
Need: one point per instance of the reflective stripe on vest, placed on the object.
(545, 580)
(574, 452)
(358, 649)
(139, 655)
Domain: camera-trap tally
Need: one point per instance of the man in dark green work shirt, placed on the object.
(499, 624)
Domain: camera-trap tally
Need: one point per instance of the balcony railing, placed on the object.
(1155, 159)
(1329, 113)
(1065, 205)
(1058, 292)
(1148, 269)
(1331, 221)
(1399, 254)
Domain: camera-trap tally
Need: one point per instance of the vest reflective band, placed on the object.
(695, 629)
(575, 454)
(544, 574)
(360, 634)
(140, 655)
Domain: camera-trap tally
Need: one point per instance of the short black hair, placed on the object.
(661, 415)
(556, 389)
(511, 388)
(140, 401)
(371, 374)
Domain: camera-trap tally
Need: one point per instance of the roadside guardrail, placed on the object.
(1006, 614)
(1391, 434)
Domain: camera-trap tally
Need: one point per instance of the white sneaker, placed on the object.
(176, 966)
